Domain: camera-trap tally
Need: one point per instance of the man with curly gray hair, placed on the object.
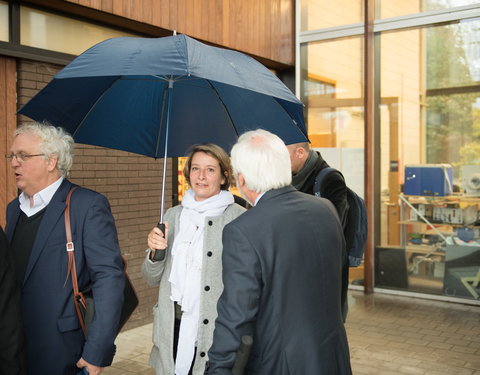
(41, 157)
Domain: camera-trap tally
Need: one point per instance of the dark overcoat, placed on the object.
(54, 340)
(282, 279)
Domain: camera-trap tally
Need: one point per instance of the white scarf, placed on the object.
(185, 276)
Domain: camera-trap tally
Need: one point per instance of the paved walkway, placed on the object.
(388, 335)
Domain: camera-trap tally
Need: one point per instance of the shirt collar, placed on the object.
(40, 199)
(258, 198)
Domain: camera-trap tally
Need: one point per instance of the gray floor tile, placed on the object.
(387, 335)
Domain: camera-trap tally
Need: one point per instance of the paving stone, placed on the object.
(387, 335)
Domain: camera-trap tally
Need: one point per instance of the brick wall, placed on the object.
(132, 183)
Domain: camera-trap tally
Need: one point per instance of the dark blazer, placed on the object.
(54, 339)
(282, 278)
(12, 350)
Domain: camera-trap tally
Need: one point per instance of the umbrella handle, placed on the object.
(159, 254)
(243, 354)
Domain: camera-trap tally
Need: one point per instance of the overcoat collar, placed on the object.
(271, 194)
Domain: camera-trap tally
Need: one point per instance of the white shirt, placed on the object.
(40, 199)
(258, 198)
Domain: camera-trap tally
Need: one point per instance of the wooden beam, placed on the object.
(8, 102)
(369, 103)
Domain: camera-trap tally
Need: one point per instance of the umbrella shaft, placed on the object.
(163, 188)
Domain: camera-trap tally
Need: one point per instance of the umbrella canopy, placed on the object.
(158, 96)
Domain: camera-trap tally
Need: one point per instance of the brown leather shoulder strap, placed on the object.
(68, 228)
(72, 269)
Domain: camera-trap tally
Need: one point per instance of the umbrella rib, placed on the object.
(172, 78)
(94, 105)
(224, 106)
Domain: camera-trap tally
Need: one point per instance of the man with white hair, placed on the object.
(281, 272)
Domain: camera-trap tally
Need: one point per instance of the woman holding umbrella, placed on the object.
(189, 269)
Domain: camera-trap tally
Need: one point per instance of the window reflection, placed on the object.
(433, 127)
(4, 21)
(394, 8)
(56, 33)
(316, 14)
(427, 119)
(332, 90)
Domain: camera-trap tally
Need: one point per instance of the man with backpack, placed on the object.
(306, 166)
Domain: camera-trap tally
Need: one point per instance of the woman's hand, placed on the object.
(157, 240)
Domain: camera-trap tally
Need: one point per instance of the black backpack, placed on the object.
(356, 230)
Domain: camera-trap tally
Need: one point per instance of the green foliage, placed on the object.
(470, 154)
(453, 122)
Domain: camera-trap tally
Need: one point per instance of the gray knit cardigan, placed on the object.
(157, 273)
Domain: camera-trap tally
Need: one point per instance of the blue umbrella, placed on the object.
(158, 96)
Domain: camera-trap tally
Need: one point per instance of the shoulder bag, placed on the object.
(83, 300)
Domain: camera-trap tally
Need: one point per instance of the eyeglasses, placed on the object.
(21, 156)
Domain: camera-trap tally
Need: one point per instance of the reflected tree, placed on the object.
(450, 101)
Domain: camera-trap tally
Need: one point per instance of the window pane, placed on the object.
(395, 8)
(401, 118)
(56, 33)
(4, 21)
(430, 117)
(317, 14)
(332, 90)
(453, 95)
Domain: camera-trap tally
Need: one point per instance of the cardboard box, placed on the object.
(428, 179)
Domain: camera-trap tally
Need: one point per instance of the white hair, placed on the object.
(263, 160)
(55, 141)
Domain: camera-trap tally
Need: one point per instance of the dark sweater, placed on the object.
(22, 241)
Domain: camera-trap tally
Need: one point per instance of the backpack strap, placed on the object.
(319, 179)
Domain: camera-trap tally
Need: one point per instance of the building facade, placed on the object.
(38, 38)
(387, 85)
(392, 97)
